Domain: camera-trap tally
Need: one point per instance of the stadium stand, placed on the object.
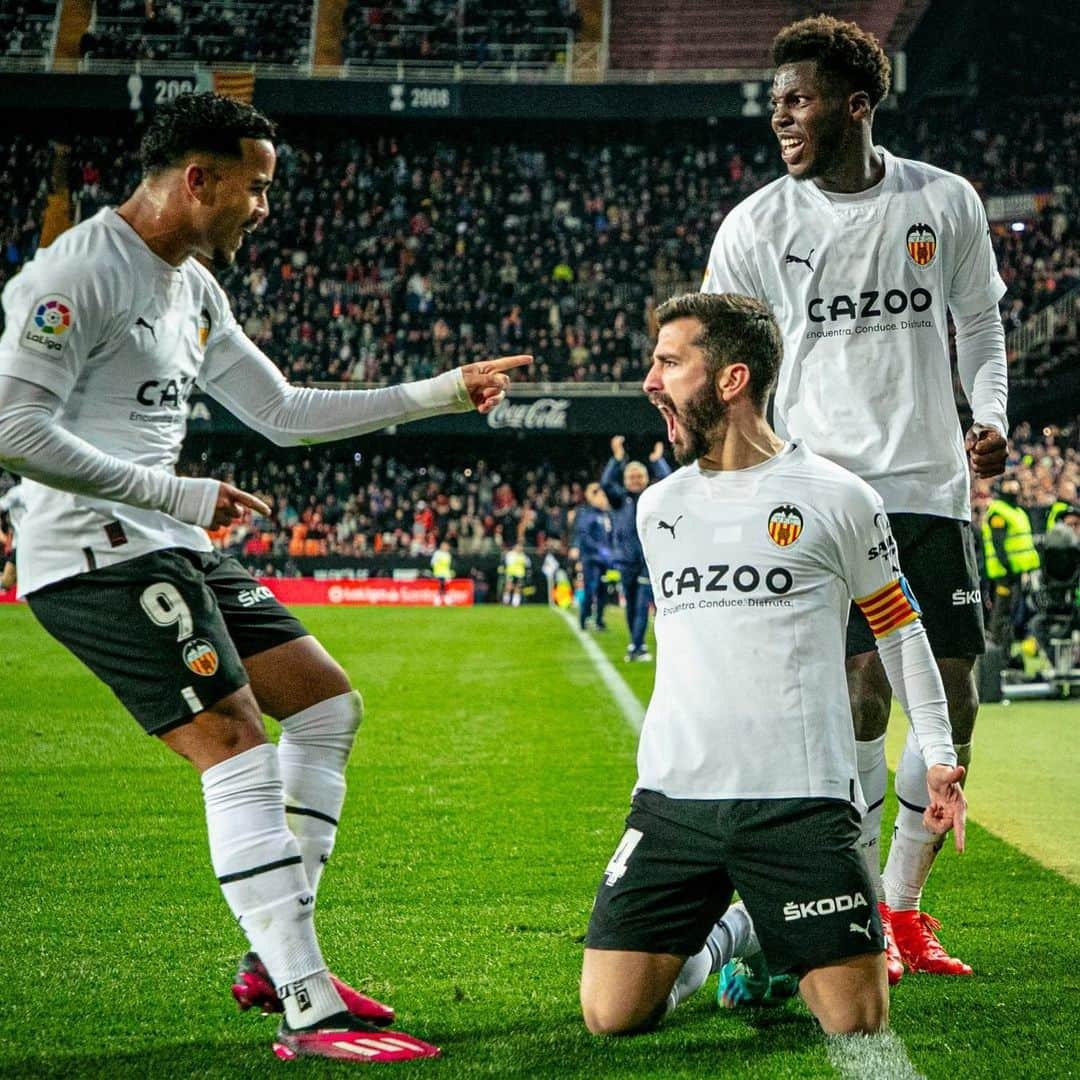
(647, 35)
(474, 33)
(243, 31)
(396, 255)
(26, 28)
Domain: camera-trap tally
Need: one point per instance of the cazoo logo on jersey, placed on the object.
(828, 905)
(869, 304)
(719, 577)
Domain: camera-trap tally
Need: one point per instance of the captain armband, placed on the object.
(890, 607)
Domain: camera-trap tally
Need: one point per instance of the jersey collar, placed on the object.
(839, 204)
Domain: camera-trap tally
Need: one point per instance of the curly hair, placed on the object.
(733, 328)
(841, 50)
(207, 122)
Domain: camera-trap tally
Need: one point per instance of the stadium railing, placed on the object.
(585, 62)
(1044, 325)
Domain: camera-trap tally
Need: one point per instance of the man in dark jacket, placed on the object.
(592, 546)
(623, 482)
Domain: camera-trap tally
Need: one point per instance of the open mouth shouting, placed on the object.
(667, 411)
(791, 149)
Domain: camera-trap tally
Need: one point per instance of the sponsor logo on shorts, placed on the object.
(963, 597)
(200, 656)
(828, 905)
(785, 525)
(251, 597)
(46, 330)
(855, 928)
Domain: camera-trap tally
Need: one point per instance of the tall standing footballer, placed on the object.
(107, 332)
(862, 255)
(747, 776)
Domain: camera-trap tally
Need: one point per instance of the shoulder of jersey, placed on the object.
(659, 490)
(759, 204)
(825, 473)
(90, 239)
(909, 169)
(89, 253)
(196, 269)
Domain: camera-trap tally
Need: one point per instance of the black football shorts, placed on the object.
(794, 863)
(937, 556)
(168, 631)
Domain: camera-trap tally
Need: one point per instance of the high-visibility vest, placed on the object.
(1056, 511)
(1019, 545)
(516, 564)
(442, 565)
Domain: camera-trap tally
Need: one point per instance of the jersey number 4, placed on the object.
(617, 868)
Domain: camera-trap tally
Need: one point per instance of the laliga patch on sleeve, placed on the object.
(48, 326)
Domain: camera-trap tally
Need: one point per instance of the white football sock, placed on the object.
(693, 975)
(914, 847)
(873, 779)
(258, 865)
(732, 936)
(314, 751)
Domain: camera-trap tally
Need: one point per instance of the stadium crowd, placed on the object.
(337, 502)
(240, 31)
(395, 256)
(469, 32)
(26, 27)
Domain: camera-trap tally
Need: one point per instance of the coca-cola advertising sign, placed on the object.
(543, 414)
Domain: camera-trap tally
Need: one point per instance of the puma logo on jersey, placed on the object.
(855, 928)
(140, 321)
(789, 258)
(670, 528)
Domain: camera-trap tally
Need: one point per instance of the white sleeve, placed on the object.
(976, 283)
(730, 269)
(239, 375)
(34, 445)
(916, 682)
(983, 368)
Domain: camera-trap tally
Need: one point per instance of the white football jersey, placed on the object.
(121, 337)
(753, 572)
(860, 285)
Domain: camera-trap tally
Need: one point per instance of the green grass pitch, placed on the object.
(485, 797)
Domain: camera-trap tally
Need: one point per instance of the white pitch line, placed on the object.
(625, 698)
(871, 1057)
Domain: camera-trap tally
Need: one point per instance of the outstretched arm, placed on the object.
(242, 378)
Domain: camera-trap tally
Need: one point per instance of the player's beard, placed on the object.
(703, 420)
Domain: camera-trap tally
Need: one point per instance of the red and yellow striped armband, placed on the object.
(890, 608)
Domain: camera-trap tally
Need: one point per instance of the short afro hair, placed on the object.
(209, 123)
(841, 50)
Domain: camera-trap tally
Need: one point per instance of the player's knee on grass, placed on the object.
(871, 696)
(625, 993)
(849, 998)
(610, 1017)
